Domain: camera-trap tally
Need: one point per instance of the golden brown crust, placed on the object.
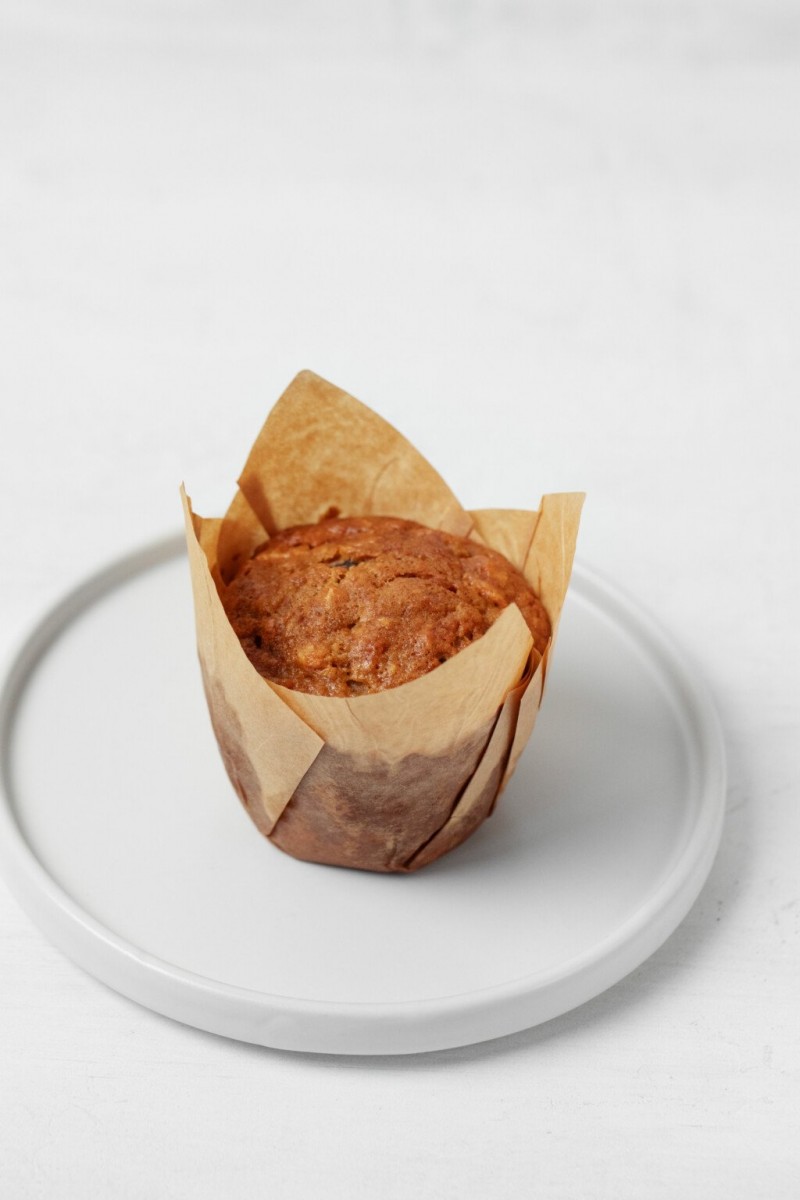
(354, 605)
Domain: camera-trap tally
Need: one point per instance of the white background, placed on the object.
(556, 245)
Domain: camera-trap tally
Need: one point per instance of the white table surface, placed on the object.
(558, 246)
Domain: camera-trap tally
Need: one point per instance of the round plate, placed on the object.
(124, 841)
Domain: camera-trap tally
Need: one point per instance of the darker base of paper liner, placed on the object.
(352, 811)
(359, 812)
(228, 732)
(480, 797)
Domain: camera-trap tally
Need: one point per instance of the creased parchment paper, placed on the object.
(390, 781)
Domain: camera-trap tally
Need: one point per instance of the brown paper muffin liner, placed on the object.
(389, 781)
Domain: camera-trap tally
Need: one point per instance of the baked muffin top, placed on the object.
(354, 605)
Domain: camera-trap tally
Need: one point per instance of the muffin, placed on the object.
(371, 680)
(353, 605)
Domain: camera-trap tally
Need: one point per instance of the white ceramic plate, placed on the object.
(124, 841)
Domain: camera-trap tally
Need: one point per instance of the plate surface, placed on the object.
(124, 841)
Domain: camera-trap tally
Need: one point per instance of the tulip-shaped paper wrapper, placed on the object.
(392, 780)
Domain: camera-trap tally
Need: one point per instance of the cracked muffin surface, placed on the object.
(354, 605)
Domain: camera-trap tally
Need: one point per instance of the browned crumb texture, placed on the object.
(354, 605)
